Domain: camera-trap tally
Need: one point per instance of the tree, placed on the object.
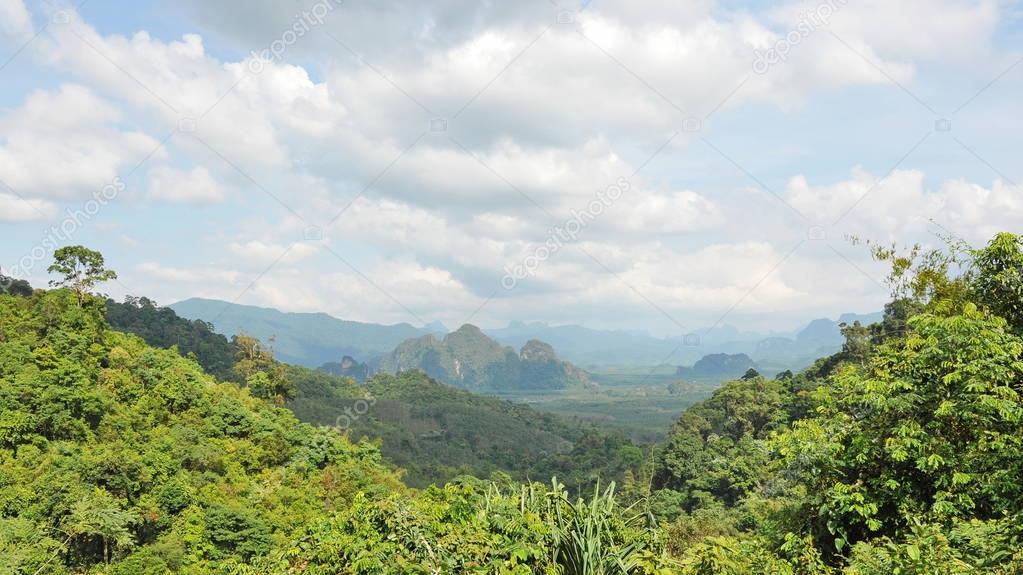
(82, 269)
(930, 430)
(998, 279)
(14, 286)
(266, 377)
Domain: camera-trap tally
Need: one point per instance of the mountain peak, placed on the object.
(469, 328)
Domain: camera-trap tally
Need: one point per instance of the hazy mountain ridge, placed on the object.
(315, 339)
(309, 339)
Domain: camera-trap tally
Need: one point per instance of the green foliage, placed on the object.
(81, 269)
(901, 454)
(713, 453)
(930, 430)
(468, 528)
(161, 327)
(115, 452)
(265, 376)
(998, 278)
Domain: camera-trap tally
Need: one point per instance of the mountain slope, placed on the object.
(309, 339)
(469, 359)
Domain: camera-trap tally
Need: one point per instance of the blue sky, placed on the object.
(626, 165)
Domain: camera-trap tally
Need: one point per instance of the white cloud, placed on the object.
(672, 212)
(259, 253)
(66, 144)
(211, 274)
(195, 186)
(901, 205)
(15, 20)
(559, 124)
(15, 209)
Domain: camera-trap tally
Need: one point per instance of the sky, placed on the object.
(633, 164)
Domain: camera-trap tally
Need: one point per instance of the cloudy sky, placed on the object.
(638, 164)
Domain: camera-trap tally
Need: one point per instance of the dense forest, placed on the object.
(901, 454)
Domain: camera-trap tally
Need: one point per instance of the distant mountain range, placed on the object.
(314, 339)
(470, 359)
(309, 339)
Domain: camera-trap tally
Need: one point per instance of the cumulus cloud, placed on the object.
(195, 186)
(540, 118)
(66, 144)
(190, 275)
(260, 253)
(15, 20)
(901, 205)
(15, 209)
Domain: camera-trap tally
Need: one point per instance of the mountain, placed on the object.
(718, 367)
(436, 327)
(309, 339)
(469, 359)
(586, 346)
(347, 367)
(594, 347)
(315, 339)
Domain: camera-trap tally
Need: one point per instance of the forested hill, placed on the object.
(432, 430)
(161, 327)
